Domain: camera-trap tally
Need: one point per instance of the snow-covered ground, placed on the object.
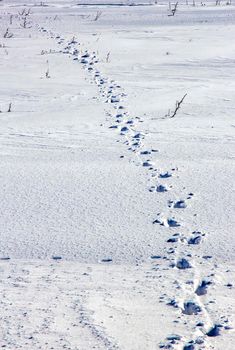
(117, 216)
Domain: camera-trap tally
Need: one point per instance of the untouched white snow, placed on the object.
(117, 220)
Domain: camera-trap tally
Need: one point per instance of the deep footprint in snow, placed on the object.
(180, 204)
(183, 264)
(177, 205)
(159, 188)
(143, 153)
(202, 287)
(114, 99)
(174, 239)
(148, 163)
(189, 346)
(124, 130)
(139, 136)
(196, 238)
(170, 222)
(191, 308)
(165, 175)
(214, 331)
(106, 260)
(172, 339)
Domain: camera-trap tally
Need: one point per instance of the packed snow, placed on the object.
(117, 175)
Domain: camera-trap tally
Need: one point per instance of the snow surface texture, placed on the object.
(117, 215)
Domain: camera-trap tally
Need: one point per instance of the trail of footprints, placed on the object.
(128, 127)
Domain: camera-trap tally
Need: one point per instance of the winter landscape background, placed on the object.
(117, 174)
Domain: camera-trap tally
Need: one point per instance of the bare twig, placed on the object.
(9, 108)
(177, 107)
(47, 73)
(25, 23)
(173, 11)
(107, 57)
(7, 34)
(25, 12)
(97, 16)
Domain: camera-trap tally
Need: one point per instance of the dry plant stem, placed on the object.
(7, 34)
(173, 11)
(178, 104)
(9, 108)
(108, 57)
(98, 14)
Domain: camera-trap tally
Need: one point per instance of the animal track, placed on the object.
(170, 222)
(113, 94)
(183, 264)
(165, 175)
(159, 188)
(191, 308)
(202, 288)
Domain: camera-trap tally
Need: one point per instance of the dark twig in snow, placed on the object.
(177, 106)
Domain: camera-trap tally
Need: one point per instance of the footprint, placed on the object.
(202, 288)
(113, 127)
(159, 188)
(114, 99)
(173, 239)
(172, 339)
(131, 122)
(143, 153)
(196, 237)
(183, 264)
(214, 331)
(148, 163)
(139, 136)
(180, 204)
(170, 222)
(195, 240)
(86, 55)
(56, 257)
(191, 308)
(124, 130)
(189, 346)
(165, 175)
(119, 115)
(106, 260)
(84, 61)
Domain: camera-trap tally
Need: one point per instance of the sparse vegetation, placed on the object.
(177, 107)
(25, 22)
(7, 34)
(108, 57)
(9, 107)
(47, 74)
(173, 10)
(98, 15)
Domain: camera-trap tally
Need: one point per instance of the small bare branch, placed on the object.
(177, 107)
(25, 23)
(47, 73)
(11, 19)
(173, 10)
(9, 108)
(97, 16)
(108, 57)
(7, 34)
